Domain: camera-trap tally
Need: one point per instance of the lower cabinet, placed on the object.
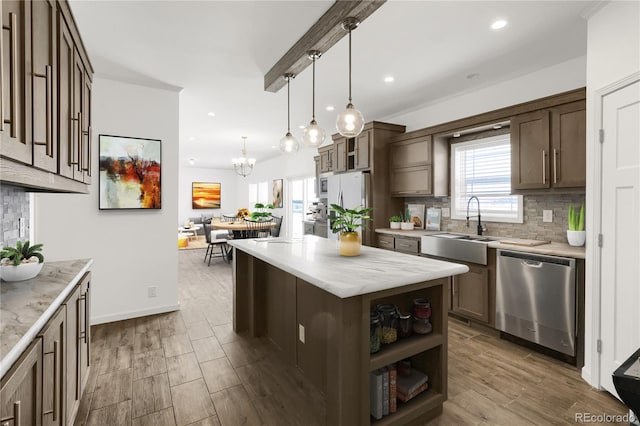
(470, 293)
(21, 391)
(45, 385)
(398, 243)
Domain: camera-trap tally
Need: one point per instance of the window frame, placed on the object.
(479, 139)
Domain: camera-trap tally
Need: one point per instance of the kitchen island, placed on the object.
(314, 305)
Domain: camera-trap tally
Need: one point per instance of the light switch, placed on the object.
(547, 215)
(446, 212)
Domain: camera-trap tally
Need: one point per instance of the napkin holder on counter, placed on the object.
(433, 219)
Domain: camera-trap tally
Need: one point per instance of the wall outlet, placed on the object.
(446, 212)
(152, 291)
(547, 215)
(301, 332)
(22, 228)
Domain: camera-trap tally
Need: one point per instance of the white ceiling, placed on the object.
(218, 52)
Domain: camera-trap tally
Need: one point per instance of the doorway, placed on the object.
(302, 192)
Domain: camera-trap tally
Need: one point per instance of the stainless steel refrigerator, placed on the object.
(349, 190)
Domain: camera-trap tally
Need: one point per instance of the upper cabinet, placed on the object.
(326, 154)
(548, 148)
(45, 131)
(352, 153)
(419, 166)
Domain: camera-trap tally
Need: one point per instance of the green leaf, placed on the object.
(39, 256)
(258, 205)
(581, 219)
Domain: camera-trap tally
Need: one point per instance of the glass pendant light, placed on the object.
(313, 134)
(350, 122)
(289, 144)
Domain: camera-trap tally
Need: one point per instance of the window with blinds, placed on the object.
(482, 167)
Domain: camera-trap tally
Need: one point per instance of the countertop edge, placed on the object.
(24, 342)
(454, 269)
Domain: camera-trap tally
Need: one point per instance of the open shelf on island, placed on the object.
(411, 409)
(404, 348)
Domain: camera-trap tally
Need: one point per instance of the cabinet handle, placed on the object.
(56, 355)
(16, 416)
(89, 151)
(49, 107)
(79, 125)
(14, 75)
(544, 167)
(555, 166)
(1, 80)
(83, 335)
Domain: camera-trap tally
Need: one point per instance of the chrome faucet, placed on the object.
(479, 222)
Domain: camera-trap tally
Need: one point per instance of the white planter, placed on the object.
(576, 238)
(394, 225)
(22, 272)
(406, 226)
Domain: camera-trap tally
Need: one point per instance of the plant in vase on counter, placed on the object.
(22, 262)
(394, 222)
(347, 222)
(576, 235)
(261, 213)
(407, 223)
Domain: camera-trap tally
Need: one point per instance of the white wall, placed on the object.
(613, 52)
(132, 249)
(548, 81)
(228, 186)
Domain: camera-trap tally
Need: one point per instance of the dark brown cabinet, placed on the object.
(401, 244)
(548, 148)
(46, 98)
(470, 293)
(43, 41)
(54, 369)
(21, 389)
(15, 46)
(419, 166)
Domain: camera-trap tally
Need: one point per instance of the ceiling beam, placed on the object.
(326, 32)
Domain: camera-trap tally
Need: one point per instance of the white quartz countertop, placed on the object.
(318, 261)
(26, 306)
(552, 249)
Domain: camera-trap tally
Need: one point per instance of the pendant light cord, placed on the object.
(288, 105)
(313, 92)
(349, 65)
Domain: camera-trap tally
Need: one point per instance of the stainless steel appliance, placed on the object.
(349, 190)
(536, 299)
(457, 247)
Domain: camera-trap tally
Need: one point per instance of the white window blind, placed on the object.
(482, 167)
(253, 194)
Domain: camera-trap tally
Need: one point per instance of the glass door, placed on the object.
(303, 193)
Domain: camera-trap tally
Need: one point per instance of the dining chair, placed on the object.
(227, 218)
(275, 231)
(255, 229)
(212, 243)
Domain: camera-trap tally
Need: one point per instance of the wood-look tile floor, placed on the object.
(190, 368)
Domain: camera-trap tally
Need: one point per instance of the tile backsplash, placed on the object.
(532, 228)
(15, 204)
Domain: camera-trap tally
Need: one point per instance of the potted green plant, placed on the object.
(407, 223)
(394, 222)
(347, 222)
(576, 235)
(261, 213)
(22, 262)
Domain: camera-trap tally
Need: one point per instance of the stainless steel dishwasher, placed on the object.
(536, 299)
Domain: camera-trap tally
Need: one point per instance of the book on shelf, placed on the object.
(393, 376)
(408, 384)
(404, 397)
(385, 391)
(375, 394)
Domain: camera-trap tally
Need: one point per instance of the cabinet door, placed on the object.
(325, 159)
(67, 148)
(363, 148)
(21, 389)
(54, 369)
(411, 181)
(385, 241)
(84, 338)
(85, 137)
(530, 151)
(414, 152)
(407, 245)
(73, 394)
(340, 152)
(569, 145)
(470, 293)
(15, 107)
(43, 37)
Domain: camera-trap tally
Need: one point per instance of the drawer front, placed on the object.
(385, 242)
(407, 245)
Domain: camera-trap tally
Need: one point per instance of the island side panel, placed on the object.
(242, 291)
(279, 290)
(331, 356)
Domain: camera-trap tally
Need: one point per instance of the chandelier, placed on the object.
(243, 165)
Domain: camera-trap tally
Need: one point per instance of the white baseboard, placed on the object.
(586, 375)
(134, 314)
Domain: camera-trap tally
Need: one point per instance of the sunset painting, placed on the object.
(205, 195)
(129, 173)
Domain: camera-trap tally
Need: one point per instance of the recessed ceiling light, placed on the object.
(301, 126)
(192, 161)
(473, 75)
(498, 24)
(330, 108)
(211, 114)
(389, 79)
(497, 126)
(456, 135)
(273, 147)
(192, 138)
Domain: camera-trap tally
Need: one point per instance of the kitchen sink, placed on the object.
(466, 248)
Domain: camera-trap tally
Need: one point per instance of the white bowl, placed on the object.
(22, 272)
